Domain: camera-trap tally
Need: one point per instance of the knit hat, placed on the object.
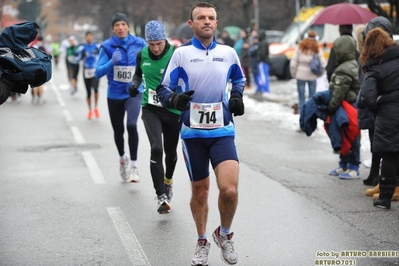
(119, 17)
(154, 31)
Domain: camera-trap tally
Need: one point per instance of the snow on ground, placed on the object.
(276, 109)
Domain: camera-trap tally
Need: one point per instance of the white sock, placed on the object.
(205, 236)
(133, 164)
(123, 158)
(224, 231)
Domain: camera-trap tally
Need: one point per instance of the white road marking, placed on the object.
(129, 240)
(94, 170)
(77, 135)
(54, 87)
(64, 87)
(68, 115)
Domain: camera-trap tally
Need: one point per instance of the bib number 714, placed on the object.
(206, 115)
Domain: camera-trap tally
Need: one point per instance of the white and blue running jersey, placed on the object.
(207, 71)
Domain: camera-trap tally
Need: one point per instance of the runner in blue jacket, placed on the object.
(118, 61)
(89, 52)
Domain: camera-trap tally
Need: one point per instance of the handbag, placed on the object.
(315, 65)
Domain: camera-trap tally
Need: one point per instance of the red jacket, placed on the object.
(349, 131)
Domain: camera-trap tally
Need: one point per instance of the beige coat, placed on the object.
(300, 65)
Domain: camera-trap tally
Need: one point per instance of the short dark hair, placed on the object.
(346, 29)
(201, 4)
(88, 33)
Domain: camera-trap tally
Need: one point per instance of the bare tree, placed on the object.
(272, 14)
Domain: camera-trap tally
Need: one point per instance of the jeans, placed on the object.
(301, 90)
(352, 160)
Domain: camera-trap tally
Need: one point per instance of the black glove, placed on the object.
(133, 90)
(236, 105)
(180, 101)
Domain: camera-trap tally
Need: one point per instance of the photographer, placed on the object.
(20, 65)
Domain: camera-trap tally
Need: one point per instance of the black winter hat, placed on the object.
(381, 22)
(119, 17)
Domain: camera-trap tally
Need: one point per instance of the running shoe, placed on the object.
(134, 175)
(124, 169)
(337, 171)
(169, 190)
(201, 253)
(73, 91)
(225, 244)
(96, 113)
(41, 101)
(163, 204)
(89, 114)
(350, 174)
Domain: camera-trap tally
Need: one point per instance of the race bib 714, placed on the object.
(206, 115)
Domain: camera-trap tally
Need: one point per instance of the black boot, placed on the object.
(372, 179)
(386, 193)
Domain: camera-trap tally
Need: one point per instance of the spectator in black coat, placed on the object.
(386, 25)
(379, 61)
(366, 121)
(225, 36)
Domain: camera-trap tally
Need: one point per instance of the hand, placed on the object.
(236, 105)
(180, 101)
(116, 57)
(133, 90)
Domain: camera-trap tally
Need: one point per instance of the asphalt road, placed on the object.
(62, 201)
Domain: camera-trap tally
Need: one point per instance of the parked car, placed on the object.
(274, 35)
(280, 53)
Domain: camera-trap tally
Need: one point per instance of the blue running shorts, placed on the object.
(198, 152)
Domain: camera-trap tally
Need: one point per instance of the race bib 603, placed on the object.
(124, 73)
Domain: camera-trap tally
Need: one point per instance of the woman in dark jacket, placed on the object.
(380, 65)
(366, 121)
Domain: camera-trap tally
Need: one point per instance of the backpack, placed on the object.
(315, 65)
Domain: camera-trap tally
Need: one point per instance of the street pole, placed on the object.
(297, 9)
(256, 13)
